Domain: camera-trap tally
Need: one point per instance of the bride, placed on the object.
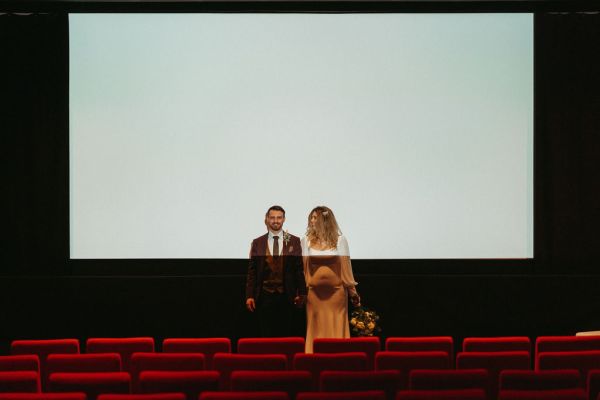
(329, 278)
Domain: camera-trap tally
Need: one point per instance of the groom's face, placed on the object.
(275, 220)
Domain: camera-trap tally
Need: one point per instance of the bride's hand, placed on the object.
(355, 300)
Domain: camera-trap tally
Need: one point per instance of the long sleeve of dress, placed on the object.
(346, 270)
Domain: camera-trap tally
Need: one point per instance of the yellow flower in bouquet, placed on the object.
(364, 322)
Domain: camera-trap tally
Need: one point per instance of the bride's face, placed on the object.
(313, 219)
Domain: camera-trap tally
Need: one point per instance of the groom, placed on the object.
(275, 280)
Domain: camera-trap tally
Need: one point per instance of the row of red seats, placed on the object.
(314, 372)
(452, 394)
(290, 346)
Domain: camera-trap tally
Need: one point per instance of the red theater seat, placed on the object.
(455, 394)
(355, 381)
(19, 381)
(90, 383)
(318, 362)
(579, 360)
(425, 343)
(562, 394)
(545, 344)
(244, 396)
(153, 396)
(28, 362)
(226, 363)
(449, 379)
(494, 363)
(290, 382)
(124, 346)
(191, 383)
(540, 380)
(107, 362)
(164, 362)
(207, 346)
(288, 346)
(405, 361)
(593, 384)
(42, 348)
(508, 343)
(368, 345)
(367, 395)
(42, 396)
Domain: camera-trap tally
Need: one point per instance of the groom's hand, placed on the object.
(299, 301)
(250, 305)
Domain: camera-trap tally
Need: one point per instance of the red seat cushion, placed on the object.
(288, 346)
(207, 346)
(19, 381)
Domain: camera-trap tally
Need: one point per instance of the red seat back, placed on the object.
(164, 362)
(449, 394)
(317, 362)
(191, 383)
(226, 363)
(406, 361)
(355, 381)
(207, 346)
(562, 394)
(43, 396)
(90, 383)
(124, 346)
(244, 396)
(153, 396)
(583, 361)
(423, 379)
(288, 346)
(507, 343)
(540, 380)
(366, 395)
(425, 343)
(20, 381)
(27, 362)
(290, 382)
(368, 345)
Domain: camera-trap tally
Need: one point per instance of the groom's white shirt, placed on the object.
(270, 241)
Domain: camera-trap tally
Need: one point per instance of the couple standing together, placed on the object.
(285, 272)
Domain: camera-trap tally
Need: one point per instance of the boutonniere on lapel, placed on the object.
(286, 239)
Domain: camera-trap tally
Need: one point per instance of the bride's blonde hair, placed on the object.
(326, 229)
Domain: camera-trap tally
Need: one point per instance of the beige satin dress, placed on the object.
(329, 279)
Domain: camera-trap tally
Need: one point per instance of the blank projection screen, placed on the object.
(416, 129)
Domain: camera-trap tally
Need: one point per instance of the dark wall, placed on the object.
(44, 294)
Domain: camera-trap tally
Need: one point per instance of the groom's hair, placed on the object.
(275, 208)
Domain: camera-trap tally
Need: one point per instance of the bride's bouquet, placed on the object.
(364, 322)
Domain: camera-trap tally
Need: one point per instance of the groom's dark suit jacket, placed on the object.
(293, 270)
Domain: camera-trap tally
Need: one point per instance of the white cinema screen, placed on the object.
(415, 129)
